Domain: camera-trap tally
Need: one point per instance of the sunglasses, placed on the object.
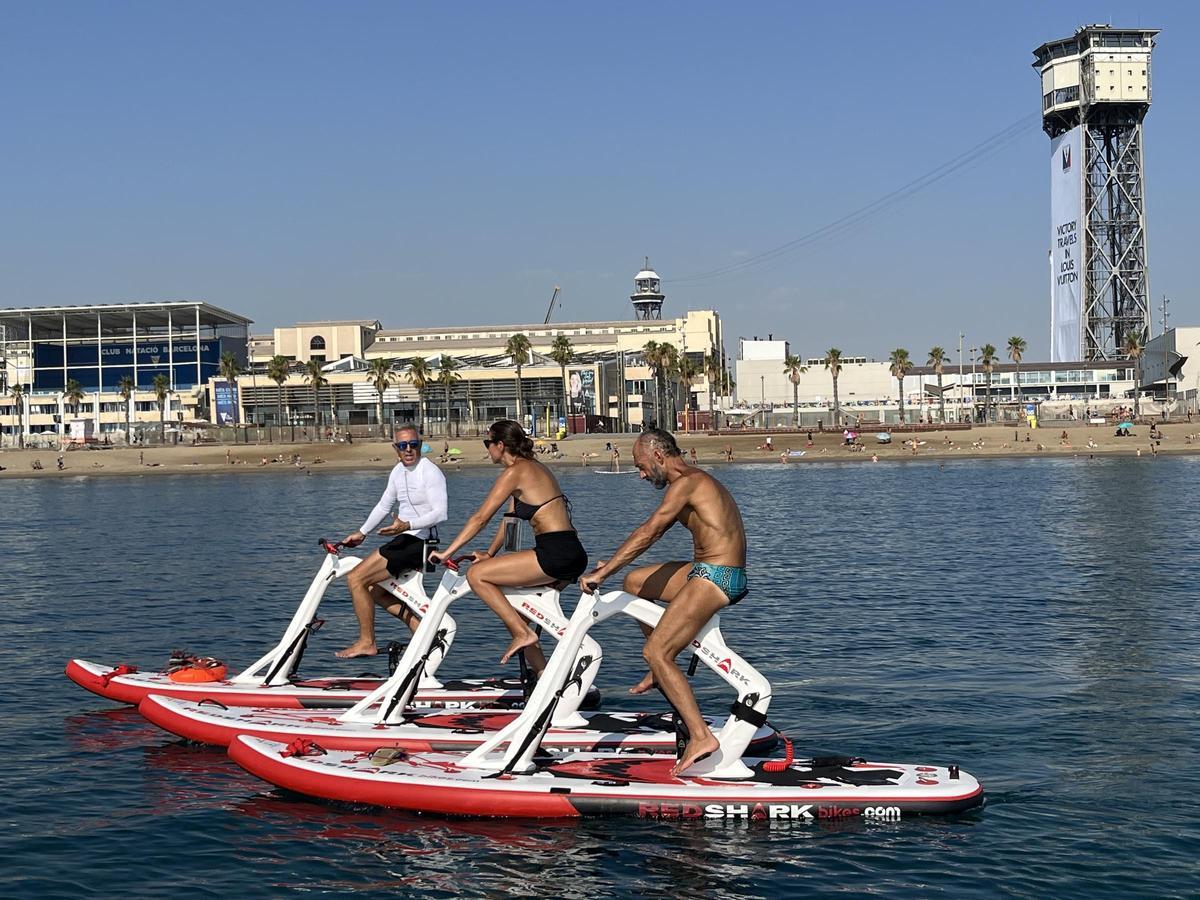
(407, 445)
(487, 442)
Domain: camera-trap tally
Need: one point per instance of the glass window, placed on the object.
(317, 343)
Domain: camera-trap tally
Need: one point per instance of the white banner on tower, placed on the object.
(1066, 247)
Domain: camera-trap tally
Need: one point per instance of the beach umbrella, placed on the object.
(1125, 425)
(454, 451)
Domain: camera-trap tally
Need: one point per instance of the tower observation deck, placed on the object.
(647, 296)
(1095, 95)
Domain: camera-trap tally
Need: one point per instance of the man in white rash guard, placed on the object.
(416, 499)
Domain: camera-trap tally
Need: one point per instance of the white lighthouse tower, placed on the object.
(647, 297)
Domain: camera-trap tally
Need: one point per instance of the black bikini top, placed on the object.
(527, 511)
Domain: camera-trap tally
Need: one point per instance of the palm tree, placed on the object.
(670, 373)
(712, 375)
(689, 372)
(938, 359)
(727, 384)
(277, 371)
(125, 387)
(833, 362)
(518, 348)
(793, 368)
(1016, 349)
(316, 379)
(1134, 348)
(18, 394)
(446, 377)
(900, 366)
(380, 376)
(162, 387)
(987, 359)
(562, 353)
(652, 356)
(229, 369)
(420, 376)
(73, 395)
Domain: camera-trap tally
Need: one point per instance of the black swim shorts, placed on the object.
(403, 553)
(560, 555)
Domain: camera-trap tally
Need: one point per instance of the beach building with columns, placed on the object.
(45, 349)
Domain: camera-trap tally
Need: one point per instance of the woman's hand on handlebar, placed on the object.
(438, 558)
(480, 555)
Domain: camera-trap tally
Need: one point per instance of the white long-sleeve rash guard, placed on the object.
(418, 495)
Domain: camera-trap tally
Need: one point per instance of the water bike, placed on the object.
(273, 681)
(385, 719)
(511, 774)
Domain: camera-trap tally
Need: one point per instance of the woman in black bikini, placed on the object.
(533, 494)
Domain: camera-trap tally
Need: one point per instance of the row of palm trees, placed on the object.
(73, 396)
(900, 364)
(382, 374)
(668, 365)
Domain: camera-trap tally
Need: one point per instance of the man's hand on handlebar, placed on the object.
(589, 583)
(354, 539)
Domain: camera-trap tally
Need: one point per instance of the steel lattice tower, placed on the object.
(1098, 81)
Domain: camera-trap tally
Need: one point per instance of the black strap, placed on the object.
(395, 650)
(298, 645)
(745, 711)
(539, 726)
(692, 665)
(416, 671)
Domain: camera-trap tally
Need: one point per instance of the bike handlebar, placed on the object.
(453, 564)
(331, 547)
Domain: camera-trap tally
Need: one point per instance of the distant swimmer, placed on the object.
(695, 590)
(415, 497)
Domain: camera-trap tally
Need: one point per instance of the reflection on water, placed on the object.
(1031, 620)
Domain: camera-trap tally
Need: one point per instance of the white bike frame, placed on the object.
(524, 734)
(540, 606)
(278, 666)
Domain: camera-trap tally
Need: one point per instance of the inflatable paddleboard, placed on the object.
(209, 723)
(583, 784)
(512, 773)
(126, 685)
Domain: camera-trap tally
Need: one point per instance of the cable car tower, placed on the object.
(1095, 95)
(647, 297)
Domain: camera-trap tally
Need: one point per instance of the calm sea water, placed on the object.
(1034, 621)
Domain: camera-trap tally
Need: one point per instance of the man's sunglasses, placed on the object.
(407, 445)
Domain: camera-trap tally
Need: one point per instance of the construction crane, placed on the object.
(550, 310)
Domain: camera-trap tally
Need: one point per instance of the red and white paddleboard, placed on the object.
(585, 784)
(210, 723)
(123, 686)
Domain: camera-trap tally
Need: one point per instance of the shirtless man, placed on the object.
(695, 590)
(417, 490)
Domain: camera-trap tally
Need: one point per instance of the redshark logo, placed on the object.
(725, 665)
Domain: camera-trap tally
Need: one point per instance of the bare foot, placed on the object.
(357, 649)
(644, 685)
(519, 644)
(696, 750)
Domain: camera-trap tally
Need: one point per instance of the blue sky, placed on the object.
(432, 164)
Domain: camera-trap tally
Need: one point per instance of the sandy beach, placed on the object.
(977, 443)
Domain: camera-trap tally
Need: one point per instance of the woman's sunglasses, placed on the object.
(487, 442)
(407, 445)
